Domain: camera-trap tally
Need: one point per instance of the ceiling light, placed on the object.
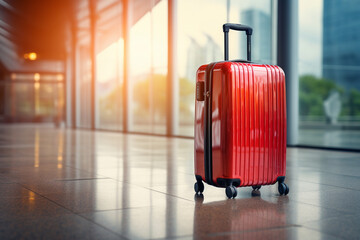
(30, 56)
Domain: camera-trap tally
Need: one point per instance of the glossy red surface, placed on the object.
(248, 123)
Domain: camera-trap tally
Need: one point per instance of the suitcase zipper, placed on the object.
(208, 125)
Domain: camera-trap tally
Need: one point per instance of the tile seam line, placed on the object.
(175, 237)
(89, 220)
(141, 186)
(326, 208)
(117, 209)
(129, 183)
(167, 194)
(328, 234)
(80, 179)
(86, 171)
(218, 234)
(328, 218)
(337, 174)
(329, 185)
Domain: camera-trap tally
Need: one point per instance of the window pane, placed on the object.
(201, 41)
(329, 68)
(33, 97)
(148, 67)
(109, 65)
(83, 66)
(50, 105)
(23, 96)
(257, 15)
(83, 86)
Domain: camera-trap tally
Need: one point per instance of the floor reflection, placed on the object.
(239, 218)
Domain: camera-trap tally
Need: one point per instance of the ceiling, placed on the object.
(32, 26)
(42, 26)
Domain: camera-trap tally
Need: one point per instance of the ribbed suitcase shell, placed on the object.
(248, 123)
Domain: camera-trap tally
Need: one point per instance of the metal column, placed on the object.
(71, 69)
(287, 56)
(172, 93)
(73, 74)
(127, 121)
(93, 63)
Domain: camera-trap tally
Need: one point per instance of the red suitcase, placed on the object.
(240, 123)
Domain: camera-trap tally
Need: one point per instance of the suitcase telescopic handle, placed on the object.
(238, 27)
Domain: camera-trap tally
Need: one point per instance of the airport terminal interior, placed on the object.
(97, 108)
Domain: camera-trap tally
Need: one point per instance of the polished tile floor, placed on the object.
(79, 184)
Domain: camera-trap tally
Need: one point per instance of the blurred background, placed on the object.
(130, 65)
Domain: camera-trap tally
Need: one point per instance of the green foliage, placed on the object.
(113, 99)
(141, 96)
(313, 92)
(110, 106)
(112, 103)
(187, 99)
(142, 99)
(354, 103)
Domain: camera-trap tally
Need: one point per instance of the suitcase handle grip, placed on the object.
(238, 27)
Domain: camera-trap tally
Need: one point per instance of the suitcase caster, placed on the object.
(199, 187)
(283, 189)
(257, 187)
(231, 191)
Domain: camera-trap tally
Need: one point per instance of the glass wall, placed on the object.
(329, 73)
(109, 65)
(23, 101)
(328, 62)
(258, 15)
(33, 97)
(201, 41)
(148, 66)
(83, 65)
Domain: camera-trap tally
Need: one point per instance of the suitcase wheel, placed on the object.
(257, 187)
(283, 189)
(231, 191)
(199, 187)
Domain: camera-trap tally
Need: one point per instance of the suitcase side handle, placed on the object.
(237, 27)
